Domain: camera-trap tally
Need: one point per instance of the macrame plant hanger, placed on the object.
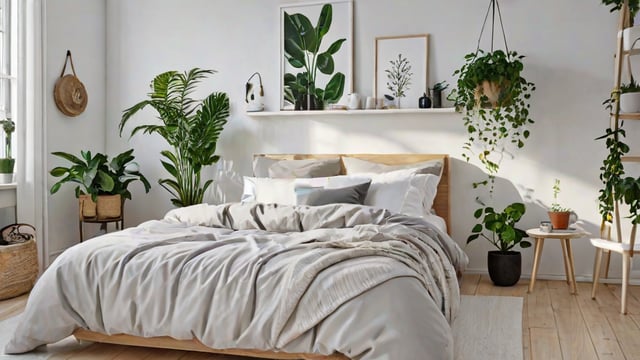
(493, 6)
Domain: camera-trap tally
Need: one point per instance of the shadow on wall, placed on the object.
(463, 205)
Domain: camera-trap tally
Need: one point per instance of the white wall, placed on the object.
(568, 44)
(79, 26)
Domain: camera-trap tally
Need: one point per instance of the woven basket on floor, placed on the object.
(18, 268)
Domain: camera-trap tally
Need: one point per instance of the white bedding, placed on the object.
(346, 278)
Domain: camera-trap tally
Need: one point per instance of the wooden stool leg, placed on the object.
(574, 288)
(536, 262)
(607, 261)
(625, 282)
(81, 232)
(596, 272)
(566, 260)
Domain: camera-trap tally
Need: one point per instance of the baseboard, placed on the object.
(562, 277)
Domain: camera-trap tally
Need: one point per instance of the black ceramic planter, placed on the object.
(504, 267)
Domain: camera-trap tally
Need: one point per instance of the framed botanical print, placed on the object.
(402, 69)
(316, 54)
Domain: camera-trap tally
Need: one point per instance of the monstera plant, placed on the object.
(303, 50)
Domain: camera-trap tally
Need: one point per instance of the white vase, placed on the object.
(630, 35)
(630, 102)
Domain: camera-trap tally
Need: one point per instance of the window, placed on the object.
(8, 62)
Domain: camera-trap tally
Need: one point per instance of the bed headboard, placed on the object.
(441, 202)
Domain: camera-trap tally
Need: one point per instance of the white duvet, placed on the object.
(335, 278)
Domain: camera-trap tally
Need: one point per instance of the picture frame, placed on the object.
(341, 27)
(397, 53)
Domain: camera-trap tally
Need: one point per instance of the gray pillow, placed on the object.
(356, 166)
(346, 195)
(310, 168)
(307, 168)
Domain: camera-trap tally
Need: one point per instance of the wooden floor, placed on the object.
(556, 325)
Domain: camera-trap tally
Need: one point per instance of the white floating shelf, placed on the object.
(349, 112)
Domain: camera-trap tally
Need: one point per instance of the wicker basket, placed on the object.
(18, 268)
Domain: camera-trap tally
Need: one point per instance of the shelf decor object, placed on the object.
(402, 69)
(254, 95)
(316, 52)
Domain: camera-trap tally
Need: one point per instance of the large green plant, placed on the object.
(96, 175)
(501, 226)
(302, 50)
(493, 127)
(191, 127)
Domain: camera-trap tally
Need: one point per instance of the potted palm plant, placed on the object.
(504, 264)
(102, 184)
(302, 50)
(190, 126)
(7, 163)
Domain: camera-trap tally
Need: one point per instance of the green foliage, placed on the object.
(616, 5)
(96, 175)
(302, 44)
(191, 127)
(8, 126)
(556, 207)
(441, 86)
(399, 76)
(493, 128)
(501, 226)
(631, 87)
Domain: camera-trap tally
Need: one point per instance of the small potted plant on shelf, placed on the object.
(558, 215)
(102, 184)
(632, 33)
(504, 264)
(7, 163)
(630, 97)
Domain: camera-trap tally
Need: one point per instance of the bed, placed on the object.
(335, 281)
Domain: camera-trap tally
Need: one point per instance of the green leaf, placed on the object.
(335, 88)
(324, 23)
(58, 171)
(335, 47)
(477, 228)
(472, 237)
(325, 63)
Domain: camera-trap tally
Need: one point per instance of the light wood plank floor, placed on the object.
(556, 324)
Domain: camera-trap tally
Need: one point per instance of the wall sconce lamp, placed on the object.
(254, 96)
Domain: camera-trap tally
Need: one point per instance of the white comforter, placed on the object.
(334, 278)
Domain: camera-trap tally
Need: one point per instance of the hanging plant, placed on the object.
(616, 5)
(494, 99)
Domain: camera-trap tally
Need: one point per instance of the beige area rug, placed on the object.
(487, 327)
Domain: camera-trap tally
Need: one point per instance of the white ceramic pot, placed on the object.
(630, 35)
(6, 178)
(630, 102)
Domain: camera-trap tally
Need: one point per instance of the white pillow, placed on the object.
(266, 190)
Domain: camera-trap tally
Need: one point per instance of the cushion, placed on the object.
(266, 190)
(355, 166)
(308, 168)
(355, 194)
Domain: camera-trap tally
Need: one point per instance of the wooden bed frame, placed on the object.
(441, 206)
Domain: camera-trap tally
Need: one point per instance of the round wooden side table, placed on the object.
(565, 240)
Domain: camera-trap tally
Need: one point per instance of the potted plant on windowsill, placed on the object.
(504, 264)
(558, 215)
(7, 163)
(102, 184)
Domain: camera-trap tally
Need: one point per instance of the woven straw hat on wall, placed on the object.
(69, 93)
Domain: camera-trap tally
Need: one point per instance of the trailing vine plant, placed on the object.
(493, 125)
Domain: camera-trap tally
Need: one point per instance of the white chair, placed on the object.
(627, 249)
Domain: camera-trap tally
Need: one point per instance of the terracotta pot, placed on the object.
(560, 219)
(107, 207)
